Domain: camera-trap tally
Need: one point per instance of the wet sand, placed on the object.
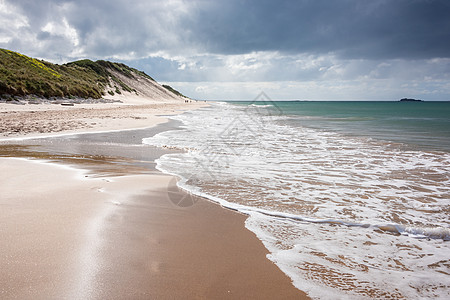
(68, 236)
(153, 249)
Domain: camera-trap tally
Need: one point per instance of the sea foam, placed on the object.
(342, 215)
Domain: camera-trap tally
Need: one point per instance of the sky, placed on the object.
(234, 50)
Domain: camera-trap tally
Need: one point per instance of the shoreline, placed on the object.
(158, 248)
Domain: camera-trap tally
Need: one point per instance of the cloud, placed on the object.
(328, 43)
(11, 22)
(98, 29)
(377, 29)
(362, 89)
(351, 29)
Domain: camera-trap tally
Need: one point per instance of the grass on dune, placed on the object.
(21, 75)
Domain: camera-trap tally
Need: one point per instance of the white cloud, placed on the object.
(12, 23)
(381, 89)
(62, 29)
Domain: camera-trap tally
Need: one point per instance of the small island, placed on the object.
(410, 100)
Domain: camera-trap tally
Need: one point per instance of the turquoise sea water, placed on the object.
(425, 125)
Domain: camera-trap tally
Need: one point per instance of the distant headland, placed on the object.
(410, 100)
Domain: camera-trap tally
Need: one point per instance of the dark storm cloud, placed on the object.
(347, 28)
(107, 28)
(359, 29)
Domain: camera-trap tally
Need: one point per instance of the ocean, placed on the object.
(352, 199)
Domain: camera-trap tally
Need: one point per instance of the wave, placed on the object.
(419, 232)
(261, 105)
(439, 233)
(219, 103)
(318, 198)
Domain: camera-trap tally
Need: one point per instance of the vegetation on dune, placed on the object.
(100, 68)
(21, 75)
(173, 90)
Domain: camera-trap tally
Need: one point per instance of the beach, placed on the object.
(27, 121)
(71, 230)
(225, 149)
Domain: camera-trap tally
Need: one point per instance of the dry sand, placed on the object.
(67, 236)
(50, 119)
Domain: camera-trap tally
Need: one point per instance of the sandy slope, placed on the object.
(146, 90)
